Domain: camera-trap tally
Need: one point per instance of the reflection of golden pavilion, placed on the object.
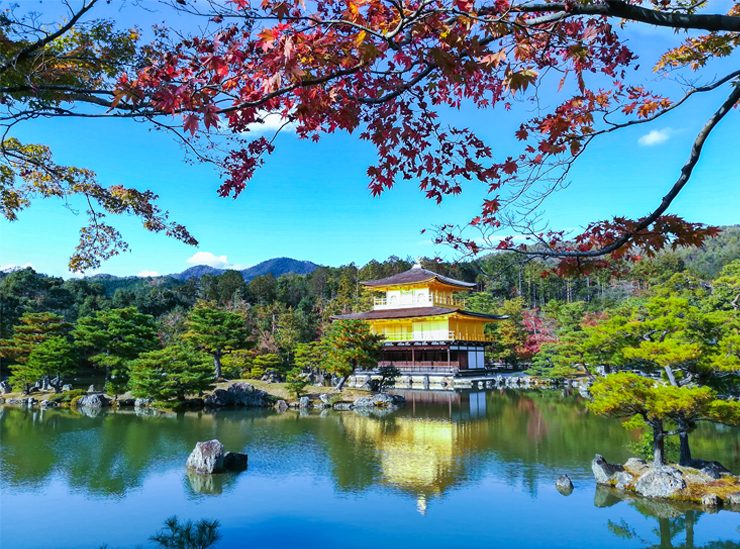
(423, 456)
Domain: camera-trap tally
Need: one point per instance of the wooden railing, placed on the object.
(423, 366)
(432, 301)
(436, 336)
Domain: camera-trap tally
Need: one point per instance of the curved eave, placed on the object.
(417, 312)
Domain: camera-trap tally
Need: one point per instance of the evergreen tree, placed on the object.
(114, 338)
(351, 344)
(55, 358)
(296, 381)
(216, 331)
(36, 328)
(264, 363)
(310, 356)
(170, 374)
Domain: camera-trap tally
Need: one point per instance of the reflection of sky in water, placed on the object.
(452, 470)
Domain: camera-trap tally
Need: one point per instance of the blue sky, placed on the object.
(311, 202)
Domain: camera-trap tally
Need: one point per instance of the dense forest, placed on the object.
(281, 313)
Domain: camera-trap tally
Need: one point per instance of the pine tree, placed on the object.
(296, 381)
(55, 358)
(216, 332)
(310, 356)
(114, 338)
(351, 344)
(264, 363)
(170, 374)
(36, 328)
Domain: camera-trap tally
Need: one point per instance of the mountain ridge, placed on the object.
(276, 266)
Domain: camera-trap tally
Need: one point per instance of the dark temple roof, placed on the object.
(413, 312)
(415, 275)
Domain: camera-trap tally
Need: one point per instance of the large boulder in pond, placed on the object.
(238, 394)
(94, 400)
(234, 461)
(564, 485)
(660, 482)
(605, 472)
(385, 400)
(208, 458)
(712, 469)
(363, 402)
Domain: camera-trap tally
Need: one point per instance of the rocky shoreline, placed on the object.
(708, 483)
(238, 394)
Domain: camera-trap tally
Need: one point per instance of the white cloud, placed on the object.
(272, 123)
(655, 137)
(145, 274)
(207, 258)
(11, 268)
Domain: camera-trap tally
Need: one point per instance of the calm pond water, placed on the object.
(451, 469)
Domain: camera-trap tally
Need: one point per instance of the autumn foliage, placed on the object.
(390, 73)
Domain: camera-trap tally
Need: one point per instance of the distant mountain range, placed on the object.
(276, 266)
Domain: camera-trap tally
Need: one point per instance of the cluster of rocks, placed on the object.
(238, 394)
(46, 384)
(667, 481)
(379, 400)
(209, 458)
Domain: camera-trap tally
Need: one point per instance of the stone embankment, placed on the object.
(228, 395)
(708, 483)
(427, 382)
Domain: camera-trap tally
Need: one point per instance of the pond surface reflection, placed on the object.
(449, 469)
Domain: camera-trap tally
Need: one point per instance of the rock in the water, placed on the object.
(238, 394)
(363, 402)
(234, 461)
(624, 479)
(385, 400)
(635, 464)
(207, 458)
(142, 402)
(93, 401)
(281, 406)
(564, 484)
(304, 402)
(127, 402)
(48, 404)
(67, 387)
(5, 387)
(660, 482)
(734, 499)
(342, 406)
(604, 472)
(711, 500)
(712, 469)
(13, 401)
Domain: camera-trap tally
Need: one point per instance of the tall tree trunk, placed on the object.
(658, 442)
(341, 383)
(589, 374)
(683, 437)
(217, 365)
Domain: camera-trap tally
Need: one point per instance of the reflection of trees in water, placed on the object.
(440, 440)
(674, 520)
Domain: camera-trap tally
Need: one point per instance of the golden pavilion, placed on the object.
(426, 328)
